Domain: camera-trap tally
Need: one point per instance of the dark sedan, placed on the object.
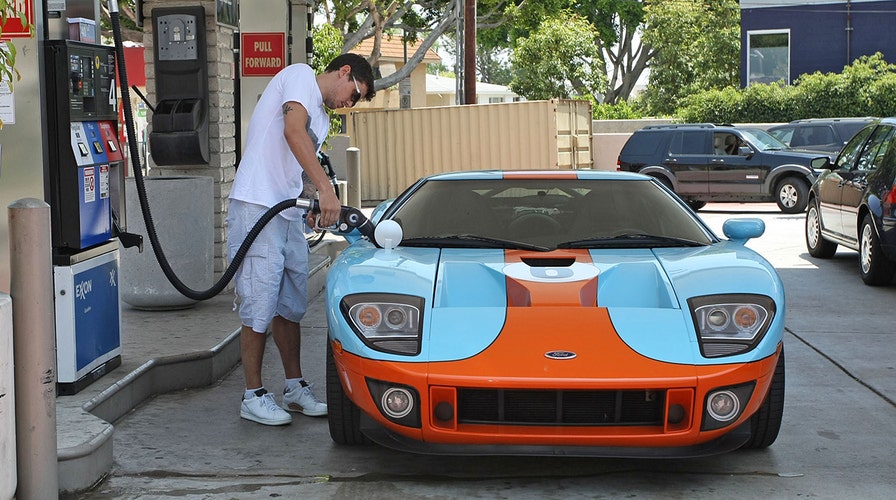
(853, 203)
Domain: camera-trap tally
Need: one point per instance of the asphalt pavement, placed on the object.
(836, 441)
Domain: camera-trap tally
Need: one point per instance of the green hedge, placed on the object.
(865, 88)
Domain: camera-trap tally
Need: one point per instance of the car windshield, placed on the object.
(762, 140)
(545, 214)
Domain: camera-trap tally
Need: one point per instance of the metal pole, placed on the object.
(34, 346)
(353, 176)
(470, 52)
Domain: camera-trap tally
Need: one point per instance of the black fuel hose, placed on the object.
(144, 204)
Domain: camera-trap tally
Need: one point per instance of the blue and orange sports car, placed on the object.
(580, 313)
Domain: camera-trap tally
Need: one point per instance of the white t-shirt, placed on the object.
(268, 172)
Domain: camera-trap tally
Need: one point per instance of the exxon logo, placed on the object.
(83, 288)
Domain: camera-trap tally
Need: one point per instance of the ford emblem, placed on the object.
(559, 354)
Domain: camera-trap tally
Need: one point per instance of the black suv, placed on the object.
(853, 203)
(827, 135)
(704, 162)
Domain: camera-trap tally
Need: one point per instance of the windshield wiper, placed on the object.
(640, 239)
(471, 240)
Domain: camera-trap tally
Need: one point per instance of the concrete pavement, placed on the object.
(162, 351)
(836, 439)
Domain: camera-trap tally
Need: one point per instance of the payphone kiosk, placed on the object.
(180, 120)
(84, 188)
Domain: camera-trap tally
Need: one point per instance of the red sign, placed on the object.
(264, 54)
(14, 27)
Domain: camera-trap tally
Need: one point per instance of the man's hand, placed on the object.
(330, 207)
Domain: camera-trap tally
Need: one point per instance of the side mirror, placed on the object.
(741, 230)
(745, 151)
(821, 163)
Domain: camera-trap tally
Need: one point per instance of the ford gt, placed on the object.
(557, 312)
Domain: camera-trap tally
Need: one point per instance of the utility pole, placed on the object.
(470, 52)
(459, 53)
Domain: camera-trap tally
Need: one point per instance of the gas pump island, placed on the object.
(85, 185)
(85, 189)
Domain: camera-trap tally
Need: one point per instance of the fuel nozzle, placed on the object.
(350, 218)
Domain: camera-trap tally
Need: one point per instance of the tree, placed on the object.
(628, 56)
(493, 66)
(616, 23)
(559, 60)
(327, 42)
(359, 20)
(127, 16)
(492, 63)
(697, 48)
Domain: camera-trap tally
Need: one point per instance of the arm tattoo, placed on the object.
(286, 109)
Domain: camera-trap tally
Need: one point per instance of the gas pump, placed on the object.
(85, 190)
(80, 92)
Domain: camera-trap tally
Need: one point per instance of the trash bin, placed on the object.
(182, 209)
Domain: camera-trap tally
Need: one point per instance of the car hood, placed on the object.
(468, 292)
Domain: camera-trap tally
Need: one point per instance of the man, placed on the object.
(285, 133)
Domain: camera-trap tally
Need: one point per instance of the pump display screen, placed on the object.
(91, 81)
(82, 76)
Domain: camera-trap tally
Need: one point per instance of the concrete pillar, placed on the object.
(34, 346)
(8, 476)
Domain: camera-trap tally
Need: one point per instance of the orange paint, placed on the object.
(540, 174)
(516, 361)
(530, 293)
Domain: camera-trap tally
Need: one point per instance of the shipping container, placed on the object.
(400, 146)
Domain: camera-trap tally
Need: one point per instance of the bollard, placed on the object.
(353, 176)
(34, 348)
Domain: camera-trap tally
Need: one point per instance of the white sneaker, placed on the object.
(263, 409)
(301, 399)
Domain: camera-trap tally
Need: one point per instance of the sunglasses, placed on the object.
(356, 95)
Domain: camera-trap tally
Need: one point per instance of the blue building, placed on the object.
(783, 39)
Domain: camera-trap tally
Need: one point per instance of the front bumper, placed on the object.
(389, 439)
(678, 428)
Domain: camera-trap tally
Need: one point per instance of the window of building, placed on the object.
(768, 57)
(494, 100)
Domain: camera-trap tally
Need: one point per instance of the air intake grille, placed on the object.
(540, 407)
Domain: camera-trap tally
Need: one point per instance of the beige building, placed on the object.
(442, 91)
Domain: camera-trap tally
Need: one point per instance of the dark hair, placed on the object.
(361, 70)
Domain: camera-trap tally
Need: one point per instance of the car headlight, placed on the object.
(730, 324)
(386, 322)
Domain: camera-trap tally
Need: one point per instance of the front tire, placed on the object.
(766, 422)
(815, 242)
(876, 268)
(343, 416)
(792, 195)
